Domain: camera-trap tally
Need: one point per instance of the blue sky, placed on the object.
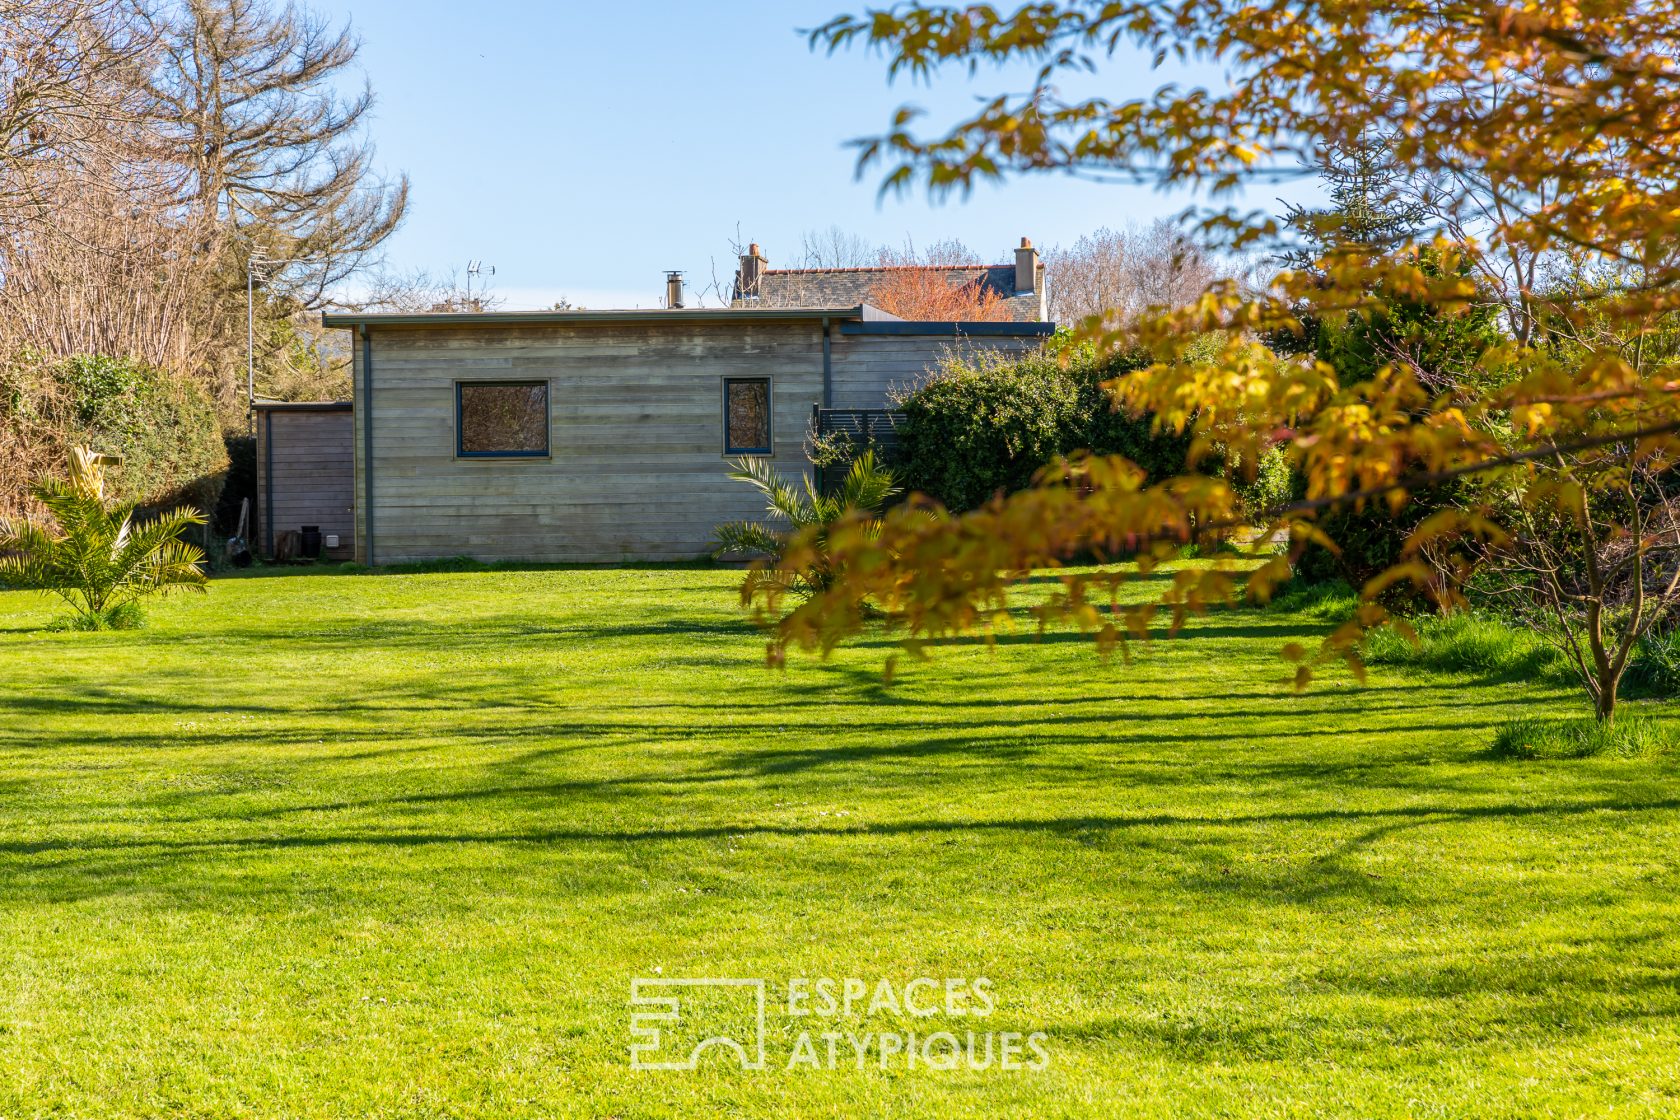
(581, 149)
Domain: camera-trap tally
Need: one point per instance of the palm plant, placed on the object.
(796, 510)
(96, 557)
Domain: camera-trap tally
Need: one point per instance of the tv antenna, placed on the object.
(477, 268)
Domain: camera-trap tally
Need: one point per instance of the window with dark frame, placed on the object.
(746, 416)
(501, 419)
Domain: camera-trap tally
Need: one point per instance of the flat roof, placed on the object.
(1009, 328)
(301, 406)
(637, 315)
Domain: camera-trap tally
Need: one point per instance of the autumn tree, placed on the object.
(935, 294)
(1537, 130)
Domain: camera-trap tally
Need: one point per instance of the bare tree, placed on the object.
(248, 103)
(1594, 560)
(68, 70)
(420, 291)
(1122, 272)
(929, 294)
(836, 248)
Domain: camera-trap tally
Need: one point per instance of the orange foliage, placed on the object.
(927, 295)
(1543, 139)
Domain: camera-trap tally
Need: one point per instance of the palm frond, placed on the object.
(747, 536)
(781, 499)
(97, 558)
(810, 514)
(140, 551)
(867, 486)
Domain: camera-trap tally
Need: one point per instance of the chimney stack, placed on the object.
(749, 281)
(1026, 267)
(673, 290)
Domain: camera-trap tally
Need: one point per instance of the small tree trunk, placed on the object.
(1605, 705)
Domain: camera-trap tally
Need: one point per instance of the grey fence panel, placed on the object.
(862, 428)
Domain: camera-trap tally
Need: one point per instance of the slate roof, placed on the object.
(833, 287)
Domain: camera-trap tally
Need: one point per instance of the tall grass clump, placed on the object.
(1470, 642)
(1630, 736)
(1655, 668)
(1328, 601)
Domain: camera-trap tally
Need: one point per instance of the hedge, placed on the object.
(163, 425)
(987, 423)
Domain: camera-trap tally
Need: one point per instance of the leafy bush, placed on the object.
(1273, 483)
(987, 423)
(1370, 541)
(1630, 736)
(984, 426)
(93, 554)
(162, 425)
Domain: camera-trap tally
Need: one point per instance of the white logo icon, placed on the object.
(714, 1000)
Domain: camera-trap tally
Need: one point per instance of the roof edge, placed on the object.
(623, 315)
(301, 406)
(993, 328)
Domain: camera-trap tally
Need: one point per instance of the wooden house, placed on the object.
(603, 436)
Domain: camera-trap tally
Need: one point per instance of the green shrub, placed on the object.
(1470, 642)
(987, 423)
(93, 553)
(1632, 735)
(985, 426)
(1273, 483)
(1370, 540)
(162, 425)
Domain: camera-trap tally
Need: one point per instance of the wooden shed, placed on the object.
(604, 436)
(306, 474)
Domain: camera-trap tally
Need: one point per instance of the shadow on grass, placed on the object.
(1417, 814)
(456, 565)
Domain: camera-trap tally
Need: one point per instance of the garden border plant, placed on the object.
(93, 554)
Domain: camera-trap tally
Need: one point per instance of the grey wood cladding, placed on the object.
(305, 476)
(636, 468)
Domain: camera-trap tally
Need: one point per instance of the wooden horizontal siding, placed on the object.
(308, 476)
(870, 370)
(636, 469)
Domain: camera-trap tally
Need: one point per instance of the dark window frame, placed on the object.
(769, 448)
(524, 382)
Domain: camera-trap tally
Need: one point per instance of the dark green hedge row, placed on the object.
(163, 425)
(988, 424)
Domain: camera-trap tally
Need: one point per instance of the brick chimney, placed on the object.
(673, 290)
(1026, 267)
(749, 280)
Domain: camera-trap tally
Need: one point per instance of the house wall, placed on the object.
(636, 469)
(869, 368)
(304, 477)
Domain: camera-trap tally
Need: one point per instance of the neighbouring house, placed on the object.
(592, 436)
(1020, 287)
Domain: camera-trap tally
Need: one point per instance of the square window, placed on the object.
(746, 416)
(501, 418)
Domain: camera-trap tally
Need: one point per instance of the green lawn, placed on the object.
(397, 845)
